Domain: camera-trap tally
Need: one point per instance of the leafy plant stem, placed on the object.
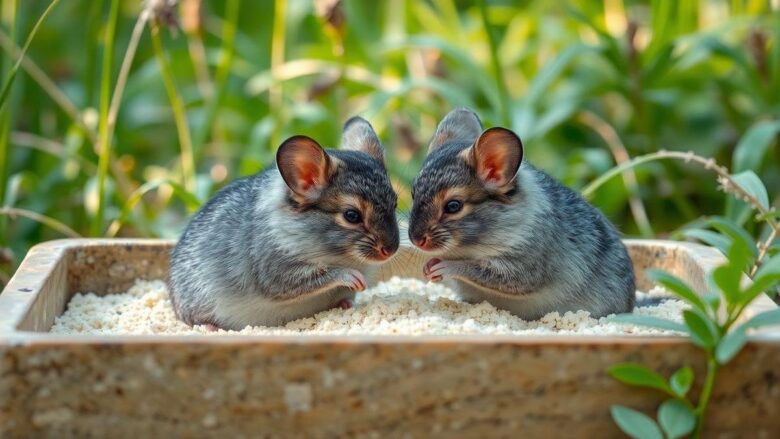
(706, 392)
(503, 93)
(177, 106)
(104, 146)
(764, 248)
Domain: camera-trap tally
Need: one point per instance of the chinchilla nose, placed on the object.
(421, 241)
(389, 245)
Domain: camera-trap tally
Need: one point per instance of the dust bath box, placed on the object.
(339, 386)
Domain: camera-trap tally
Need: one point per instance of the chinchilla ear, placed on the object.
(359, 135)
(496, 156)
(459, 124)
(305, 166)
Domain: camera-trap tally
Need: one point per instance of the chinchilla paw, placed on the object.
(436, 270)
(353, 279)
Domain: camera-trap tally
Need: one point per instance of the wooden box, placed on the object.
(339, 386)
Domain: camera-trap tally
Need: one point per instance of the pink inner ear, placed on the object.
(492, 169)
(307, 176)
(497, 154)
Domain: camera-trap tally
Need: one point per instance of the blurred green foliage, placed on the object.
(584, 83)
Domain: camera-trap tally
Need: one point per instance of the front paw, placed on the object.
(435, 270)
(352, 279)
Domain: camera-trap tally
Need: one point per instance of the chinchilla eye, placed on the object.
(453, 206)
(352, 216)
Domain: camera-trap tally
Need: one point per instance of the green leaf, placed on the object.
(639, 375)
(754, 186)
(545, 77)
(713, 300)
(727, 278)
(766, 318)
(681, 381)
(738, 235)
(649, 321)
(766, 277)
(730, 345)
(702, 329)
(769, 267)
(676, 418)
(709, 237)
(733, 342)
(754, 144)
(634, 423)
(677, 286)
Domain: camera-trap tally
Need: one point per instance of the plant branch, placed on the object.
(620, 153)
(726, 181)
(688, 157)
(763, 248)
(706, 393)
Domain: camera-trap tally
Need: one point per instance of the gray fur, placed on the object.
(459, 124)
(254, 256)
(534, 248)
(359, 135)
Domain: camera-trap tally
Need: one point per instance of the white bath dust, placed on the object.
(399, 306)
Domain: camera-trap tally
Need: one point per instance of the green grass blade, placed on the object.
(12, 74)
(104, 140)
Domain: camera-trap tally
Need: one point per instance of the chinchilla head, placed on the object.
(343, 197)
(465, 184)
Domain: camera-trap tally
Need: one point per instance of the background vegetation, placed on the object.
(100, 139)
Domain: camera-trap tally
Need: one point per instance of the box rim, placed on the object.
(16, 296)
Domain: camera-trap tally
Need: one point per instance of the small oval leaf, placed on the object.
(702, 330)
(638, 375)
(709, 237)
(737, 234)
(681, 381)
(754, 144)
(753, 186)
(678, 287)
(635, 424)
(766, 318)
(730, 345)
(676, 418)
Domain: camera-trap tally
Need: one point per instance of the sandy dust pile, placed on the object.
(399, 306)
